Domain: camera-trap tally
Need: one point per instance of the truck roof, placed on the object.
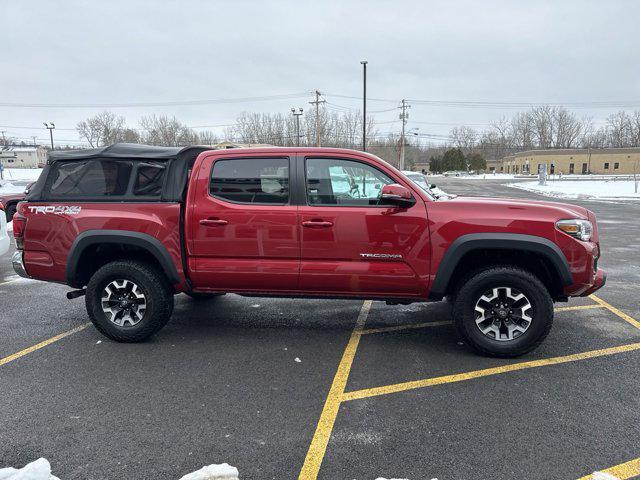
(130, 151)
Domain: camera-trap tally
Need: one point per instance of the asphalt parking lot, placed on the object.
(326, 389)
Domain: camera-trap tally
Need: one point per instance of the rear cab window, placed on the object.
(260, 181)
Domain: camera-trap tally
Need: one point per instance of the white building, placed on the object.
(23, 157)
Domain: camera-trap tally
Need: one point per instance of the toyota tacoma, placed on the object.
(129, 226)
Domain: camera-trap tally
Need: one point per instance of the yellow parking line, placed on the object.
(623, 471)
(8, 281)
(396, 328)
(459, 377)
(318, 446)
(577, 307)
(617, 312)
(38, 346)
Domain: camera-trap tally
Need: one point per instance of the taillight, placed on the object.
(19, 222)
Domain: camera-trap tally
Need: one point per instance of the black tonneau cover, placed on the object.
(179, 161)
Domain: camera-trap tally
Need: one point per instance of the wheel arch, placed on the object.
(113, 245)
(522, 247)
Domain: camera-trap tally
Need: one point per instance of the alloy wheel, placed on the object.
(123, 302)
(503, 314)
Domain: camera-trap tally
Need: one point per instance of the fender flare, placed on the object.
(497, 241)
(119, 237)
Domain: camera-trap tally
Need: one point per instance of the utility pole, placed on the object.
(34, 140)
(404, 116)
(50, 126)
(364, 105)
(297, 116)
(317, 103)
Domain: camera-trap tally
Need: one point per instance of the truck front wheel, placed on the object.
(503, 311)
(129, 301)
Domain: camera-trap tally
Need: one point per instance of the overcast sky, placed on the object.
(135, 51)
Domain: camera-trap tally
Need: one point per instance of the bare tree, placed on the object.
(104, 128)
(463, 137)
(167, 131)
(207, 137)
(336, 129)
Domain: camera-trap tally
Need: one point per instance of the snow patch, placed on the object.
(38, 470)
(382, 478)
(214, 472)
(485, 176)
(15, 279)
(603, 476)
(583, 189)
(22, 174)
(8, 187)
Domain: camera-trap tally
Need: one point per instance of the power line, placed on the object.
(500, 104)
(285, 96)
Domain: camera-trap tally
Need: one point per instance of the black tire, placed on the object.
(158, 296)
(201, 296)
(536, 295)
(10, 211)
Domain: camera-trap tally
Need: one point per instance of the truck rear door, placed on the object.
(242, 225)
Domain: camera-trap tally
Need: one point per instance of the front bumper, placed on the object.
(18, 264)
(599, 282)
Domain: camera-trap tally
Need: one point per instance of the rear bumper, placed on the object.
(18, 264)
(599, 282)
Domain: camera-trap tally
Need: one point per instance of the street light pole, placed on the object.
(50, 126)
(364, 105)
(297, 115)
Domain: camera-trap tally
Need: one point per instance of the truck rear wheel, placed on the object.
(129, 301)
(503, 311)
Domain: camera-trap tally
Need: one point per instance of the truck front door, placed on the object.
(243, 226)
(351, 242)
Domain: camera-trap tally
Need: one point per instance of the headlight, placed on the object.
(581, 229)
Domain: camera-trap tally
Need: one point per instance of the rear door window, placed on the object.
(251, 180)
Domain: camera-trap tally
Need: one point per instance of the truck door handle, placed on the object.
(213, 222)
(317, 224)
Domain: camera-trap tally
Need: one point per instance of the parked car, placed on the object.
(10, 201)
(421, 180)
(129, 226)
(5, 242)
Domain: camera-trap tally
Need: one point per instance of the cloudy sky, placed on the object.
(59, 55)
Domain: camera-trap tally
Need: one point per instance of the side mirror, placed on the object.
(396, 194)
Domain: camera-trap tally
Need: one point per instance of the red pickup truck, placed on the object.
(132, 225)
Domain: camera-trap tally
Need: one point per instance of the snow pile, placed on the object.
(38, 470)
(8, 187)
(585, 189)
(22, 174)
(213, 472)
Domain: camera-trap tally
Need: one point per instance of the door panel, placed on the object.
(244, 246)
(360, 250)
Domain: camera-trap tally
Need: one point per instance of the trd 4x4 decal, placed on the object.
(56, 209)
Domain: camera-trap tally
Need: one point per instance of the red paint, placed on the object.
(309, 250)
